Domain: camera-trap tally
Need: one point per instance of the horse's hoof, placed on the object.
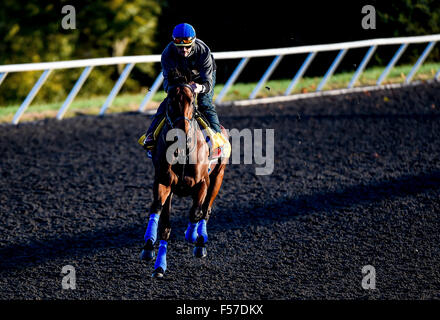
(147, 253)
(158, 273)
(200, 252)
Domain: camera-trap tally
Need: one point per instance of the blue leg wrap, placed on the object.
(191, 232)
(151, 232)
(161, 260)
(202, 231)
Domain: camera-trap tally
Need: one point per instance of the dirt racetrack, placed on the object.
(356, 182)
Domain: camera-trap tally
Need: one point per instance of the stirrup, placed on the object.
(220, 147)
(147, 142)
(215, 154)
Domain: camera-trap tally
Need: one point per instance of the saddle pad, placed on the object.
(204, 127)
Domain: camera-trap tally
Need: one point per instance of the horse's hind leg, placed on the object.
(164, 235)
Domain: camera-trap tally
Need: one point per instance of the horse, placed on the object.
(196, 176)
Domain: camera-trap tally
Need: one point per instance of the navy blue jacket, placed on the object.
(200, 61)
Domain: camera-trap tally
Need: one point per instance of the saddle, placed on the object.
(208, 133)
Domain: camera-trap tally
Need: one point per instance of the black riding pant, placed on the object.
(204, 105)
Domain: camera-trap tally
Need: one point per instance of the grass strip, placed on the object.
(239, 91)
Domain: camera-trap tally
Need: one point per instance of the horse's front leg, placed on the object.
(164, 235)
(196, 231)
(216, 179)
(161, 193)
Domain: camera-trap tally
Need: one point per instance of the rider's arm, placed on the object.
(165, 75)
(167, 64)
(206, 71)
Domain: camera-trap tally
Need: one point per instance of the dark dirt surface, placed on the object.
(356, 182)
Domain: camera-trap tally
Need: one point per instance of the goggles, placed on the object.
(183, 41)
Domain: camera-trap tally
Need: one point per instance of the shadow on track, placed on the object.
(24, 255)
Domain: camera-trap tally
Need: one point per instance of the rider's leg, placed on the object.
(148, 141)
(205, 105)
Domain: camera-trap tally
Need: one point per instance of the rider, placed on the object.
(188, 52)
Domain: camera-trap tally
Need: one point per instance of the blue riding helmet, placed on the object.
(184, 35)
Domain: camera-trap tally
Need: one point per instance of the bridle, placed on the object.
(171, 122)
(191, 121)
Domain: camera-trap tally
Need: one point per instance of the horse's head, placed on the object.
(179, 76)
(180, 99)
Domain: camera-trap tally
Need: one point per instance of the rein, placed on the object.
(170, 122)
(191, 121)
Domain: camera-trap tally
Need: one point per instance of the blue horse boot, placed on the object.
(161, 261)
(150, 236)
(147, 253)
(191, 232)
(200, 248)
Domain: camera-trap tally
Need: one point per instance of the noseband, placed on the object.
(190, 120)
(172, 123)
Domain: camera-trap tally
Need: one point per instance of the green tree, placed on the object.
(31, 31)
(410, 18)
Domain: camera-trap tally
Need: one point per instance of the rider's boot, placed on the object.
(147, 141)
(215, 140)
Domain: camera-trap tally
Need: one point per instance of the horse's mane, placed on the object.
(178, 77)
(181, 96)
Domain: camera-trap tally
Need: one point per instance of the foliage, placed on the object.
(411, 18)
(31, 31)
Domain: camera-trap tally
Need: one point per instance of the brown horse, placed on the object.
(182, 167)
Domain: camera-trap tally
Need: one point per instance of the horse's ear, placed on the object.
(173, 74)
(177, 76)
(188, 75)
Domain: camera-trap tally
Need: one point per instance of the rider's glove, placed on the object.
(197, 87)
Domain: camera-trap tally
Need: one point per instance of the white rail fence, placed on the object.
(245, 56)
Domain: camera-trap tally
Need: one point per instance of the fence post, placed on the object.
(362, 66)
(332, 69)
(419, 61)
(3, 76)
(83, 77)
(437, 75)
(116, 88)
(232, 79)
(300, 73)
(31, 96)
(391, 64)
(265, 76)
(151, 92)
